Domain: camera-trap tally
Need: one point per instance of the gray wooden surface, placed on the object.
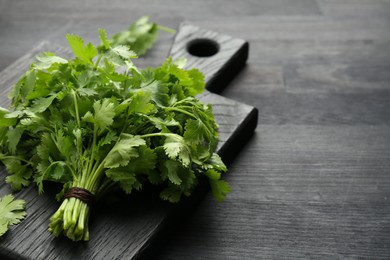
(314, 181)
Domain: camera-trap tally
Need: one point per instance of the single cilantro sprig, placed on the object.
(140, 36)
(82, 123)
(11, 212)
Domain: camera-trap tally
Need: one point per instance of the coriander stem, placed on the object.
(76, 107)
(166, 29)
(156, 134)
(181, 111)
(70, 168)
(95, 167)
(94, 177)
(98, 60)
(14, 158)
(93, 148)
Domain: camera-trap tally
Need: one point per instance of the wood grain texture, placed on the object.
(132, 227)
(359, 7)
(313, 183)
(300, 199)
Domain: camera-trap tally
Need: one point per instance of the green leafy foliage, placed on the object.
(98, 122)
(140, 36)
(84, 52)
(45, 61)
(11, 212)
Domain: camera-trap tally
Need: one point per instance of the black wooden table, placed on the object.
(314, 180)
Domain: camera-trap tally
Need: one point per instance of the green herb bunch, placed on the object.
(98, 122)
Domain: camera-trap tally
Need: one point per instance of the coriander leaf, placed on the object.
(19, 174)
(215, 162)
(3, 136)
(121, 55)
(108, 139)
(181, 62)
(197, 82)
(47, 59)
(15, 114)
(14, 134)
(127, 180)
(43, 85)
(144, 163)
(171, 194)
(172, 170)
(185, 82)
(64, 143)
(140, 36)
(11, 212)
(104, 39)
(196, 132)
(41, 104)
(124, 52)
(140, 102)
(14, 94)
(87, 79)
(104, 113)
(213, 175)
(163, 123)
(219, 188)
(131, 67)
(123, 151)
(18, 181)
(29, 83)
(86, 92)
(88, 117)
(57, 171)
(175, 147)
(39, 177)
(159, 92)
(126, 176)
(47, 149)
(84, 52)
(4, 121)
(108, 71)
(34, 124)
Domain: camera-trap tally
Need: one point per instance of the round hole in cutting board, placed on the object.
(203, 47)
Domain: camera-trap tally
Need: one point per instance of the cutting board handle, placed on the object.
(219, 57)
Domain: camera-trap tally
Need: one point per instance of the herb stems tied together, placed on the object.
(82, 123)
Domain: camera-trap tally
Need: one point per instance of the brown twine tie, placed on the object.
(81, 194)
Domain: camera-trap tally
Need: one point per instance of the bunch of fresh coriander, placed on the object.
(82, 123)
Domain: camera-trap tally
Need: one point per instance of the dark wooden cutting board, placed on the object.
(133, 226)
